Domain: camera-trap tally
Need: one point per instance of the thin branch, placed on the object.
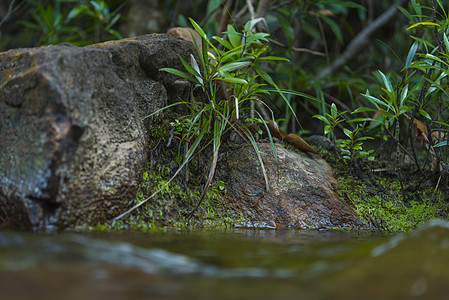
(279, 44)
(250, 6)
(362, 39)
(207, 17)
(8, 13)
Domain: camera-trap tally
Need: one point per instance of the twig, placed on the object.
(209, 14)
(250, 6)
(8, 13)
(361, 40)
(281, 4)
(358, 164)
(225, 15)
(277, 43)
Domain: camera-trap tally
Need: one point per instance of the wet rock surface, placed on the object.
(301, 189)
(73, 138)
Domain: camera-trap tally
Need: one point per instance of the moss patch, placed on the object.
(395, 213)
(170, 207)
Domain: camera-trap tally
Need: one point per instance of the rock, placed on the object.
(187, 34)
(145, 16)
(301, 189)
(73, 138)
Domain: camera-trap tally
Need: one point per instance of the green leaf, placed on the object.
(75, 12)
(232, 55)
(276, 58)
(322, 119)
(359, 120)
(377, 102)
(387, 82)
(404, 108)
(386, 114)
(391, 101)
(417, 7)
(234, 65)
(268, 78)
(334, 27)
(436, 58)
(198, 29)
(404, 95)
(362, 109)
(411, 54)
(222, 41)
(270, 137)
(287, 28)
(334, 111)
(256, 149)
(405, 12)
(29, 24)
(446, 43)
(347, 132)
(194, 65)
(236, 80)
(424, 114)
(180, 74)
(233, 36)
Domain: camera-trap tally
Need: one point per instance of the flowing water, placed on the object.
(234, 264)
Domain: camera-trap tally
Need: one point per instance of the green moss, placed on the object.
(395, 213)
(171, 206)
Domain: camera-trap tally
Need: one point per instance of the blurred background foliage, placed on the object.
(313, 34)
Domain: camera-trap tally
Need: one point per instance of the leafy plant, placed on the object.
(331, 120)
(390, 107)
(229, 78)
(352, 147)
(72, 21)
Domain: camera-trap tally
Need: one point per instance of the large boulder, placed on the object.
(73, 138)
(301, 192)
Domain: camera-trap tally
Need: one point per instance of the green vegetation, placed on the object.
(176, 195)
(79, 22)
(384, 213)
(228, 79)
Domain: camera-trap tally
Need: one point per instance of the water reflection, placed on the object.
(243, 264)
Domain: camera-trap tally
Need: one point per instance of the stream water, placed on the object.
(234, 264)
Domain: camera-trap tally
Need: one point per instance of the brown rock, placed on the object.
(187, 34)
(73, 138)
(301, 189)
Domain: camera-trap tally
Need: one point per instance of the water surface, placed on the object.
(234, 264)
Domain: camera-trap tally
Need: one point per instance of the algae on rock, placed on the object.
(172, 205)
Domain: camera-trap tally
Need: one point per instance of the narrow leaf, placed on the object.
(411, 54)
(180, 74)
(387, 82)
(440, 144)
(334, 27)
(423, 24)
(322, 119)
(277, 58)
(424, 114)
(234, 80)
(234, 65)
(362, 109)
